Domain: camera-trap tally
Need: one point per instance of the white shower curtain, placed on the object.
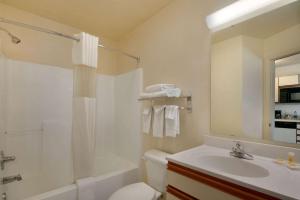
(84, 116)
(85, 56)
(84, 113)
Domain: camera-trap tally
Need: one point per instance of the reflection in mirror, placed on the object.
(287, 99)
(254, 94)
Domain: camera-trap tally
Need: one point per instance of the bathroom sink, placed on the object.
(234, 166)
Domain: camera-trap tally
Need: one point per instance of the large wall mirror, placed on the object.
(255, 78)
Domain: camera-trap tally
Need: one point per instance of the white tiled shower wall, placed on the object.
(38, 113)
(127, 115)
(118, 121)
(38, 125)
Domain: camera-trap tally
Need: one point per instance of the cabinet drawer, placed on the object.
(196, 189)
(175, 193)
(171, 197)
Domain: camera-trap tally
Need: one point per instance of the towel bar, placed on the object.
(188, 98)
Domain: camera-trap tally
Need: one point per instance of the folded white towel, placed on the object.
(85, 52)
(147, 115)
(158, 121)
(159, 87)
(86, 189)
(153, 94)
(172, 121)
(176, 92)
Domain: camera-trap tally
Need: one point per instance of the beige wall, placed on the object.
(174, 46)
(226, 87)
(252, 87)
(279, 45)
(47, 49)
(236, 87)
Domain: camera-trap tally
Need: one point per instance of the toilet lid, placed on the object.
(136, 191)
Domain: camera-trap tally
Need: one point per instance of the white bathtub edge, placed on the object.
(66, 192)
(105, 184)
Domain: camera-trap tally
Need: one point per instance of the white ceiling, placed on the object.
(291, 60)
(265, 25)
(109, 18)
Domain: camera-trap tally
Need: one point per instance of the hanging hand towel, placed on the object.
(172, 121)
(158, 121)
(147, 115)
(85, 52)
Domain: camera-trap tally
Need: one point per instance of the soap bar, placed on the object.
(290, 165)
(279, 161)
(293, 166)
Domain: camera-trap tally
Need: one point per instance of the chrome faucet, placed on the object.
(4, 159)
(9, 179)
(239, 152)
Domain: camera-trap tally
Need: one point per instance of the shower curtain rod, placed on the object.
(48, 31)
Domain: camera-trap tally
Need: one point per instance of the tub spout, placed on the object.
(10, 179)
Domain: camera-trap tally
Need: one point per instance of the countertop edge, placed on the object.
(232, 180)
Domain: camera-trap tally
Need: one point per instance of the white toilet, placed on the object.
(156, 164)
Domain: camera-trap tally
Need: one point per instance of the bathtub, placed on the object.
(111, 172)
(105, 186)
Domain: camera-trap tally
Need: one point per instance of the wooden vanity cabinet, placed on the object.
(187, 184)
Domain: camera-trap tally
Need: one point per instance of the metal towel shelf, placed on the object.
(188, 98)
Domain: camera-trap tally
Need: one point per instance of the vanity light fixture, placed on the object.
(240, 11)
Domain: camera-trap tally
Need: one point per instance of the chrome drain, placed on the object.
(4, 196)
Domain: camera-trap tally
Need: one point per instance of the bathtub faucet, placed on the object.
(9, 179)
(4, 159)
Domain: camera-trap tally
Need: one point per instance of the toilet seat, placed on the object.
(136, 191)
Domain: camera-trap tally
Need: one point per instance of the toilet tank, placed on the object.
(156, 169)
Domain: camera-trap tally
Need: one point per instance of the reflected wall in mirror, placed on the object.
(255, 77)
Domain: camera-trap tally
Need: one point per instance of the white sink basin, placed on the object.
(234, 166)
(260, 174)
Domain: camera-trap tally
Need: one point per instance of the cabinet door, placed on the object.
(288, 80)
(196, 189)
(171, 197)
(284, 135)
(276, 89)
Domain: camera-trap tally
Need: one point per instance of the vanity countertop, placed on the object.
(287, 120)
(281, 182)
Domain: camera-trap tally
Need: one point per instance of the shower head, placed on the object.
(14, 38)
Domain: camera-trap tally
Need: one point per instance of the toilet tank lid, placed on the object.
(156, 155)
